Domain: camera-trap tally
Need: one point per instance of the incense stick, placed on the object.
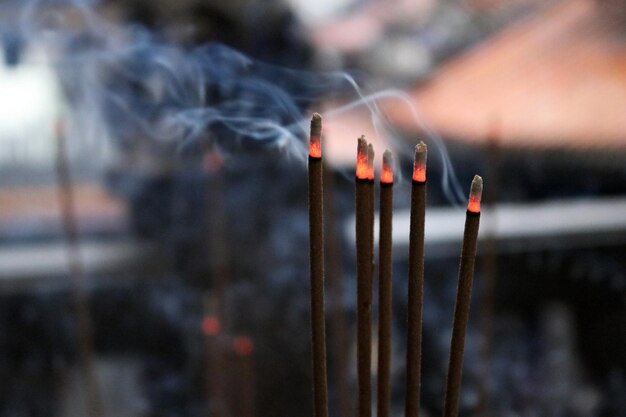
(86, 349)
(489, 273)
(217, 235)
(462, 305)
(216, 310)
(364, 281)
(244, 349)
(316, 232)
(211, 328)
(416, 283)
(334, 276)
(385, 286)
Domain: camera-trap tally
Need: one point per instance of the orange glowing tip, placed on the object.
(315, 144)
(370, 162)
(211, 326)
(243, 346)
(387, 173)
(419, 163)
(476, 194)
(361, 159)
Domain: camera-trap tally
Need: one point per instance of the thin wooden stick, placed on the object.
(416, 283)
(244, 349)
(334, 276)
(364, 283)
(489, 275)
(316, 232)
(216, 310)
(211, 330)
(463, 297)
(86, 349)
(385, 287)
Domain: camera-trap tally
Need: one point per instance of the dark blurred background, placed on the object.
(149, 272)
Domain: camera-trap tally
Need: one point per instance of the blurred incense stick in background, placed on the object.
(84, 325)
(489, 269)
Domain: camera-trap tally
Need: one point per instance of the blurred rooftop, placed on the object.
(555, 79)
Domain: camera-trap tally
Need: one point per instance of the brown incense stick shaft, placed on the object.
(86, 355)
(384, 299)
(461, 314)
(489, 274)
(364, 297)
(415, 299)
(318, 331)
(215, 299)
(218, 243)
(214, 374)
(334, 276)
(248, 387)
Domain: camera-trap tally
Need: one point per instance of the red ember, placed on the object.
(419, 164)
(242, 346)
(476, 193)
(362, 170)
(387, 172)
(211, 326)
(315, 144)
(315, 147)
(370, 162)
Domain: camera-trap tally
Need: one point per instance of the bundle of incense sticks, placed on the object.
(364, 199)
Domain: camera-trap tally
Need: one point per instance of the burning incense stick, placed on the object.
(217, 235)
(416, 283)
(364, 281)
(385, 290)
(211, 328)
(216, 309)
(244, 349)
(316, 232)
(462, 305)
(86, 349)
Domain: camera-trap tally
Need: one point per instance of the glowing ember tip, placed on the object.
(476, 194)
(370, 162)
(361, 159)
(315, 144)
(211, 326)
(419, 164)
(387, 173)
(243, 346)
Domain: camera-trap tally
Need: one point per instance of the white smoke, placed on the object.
(128, 86)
